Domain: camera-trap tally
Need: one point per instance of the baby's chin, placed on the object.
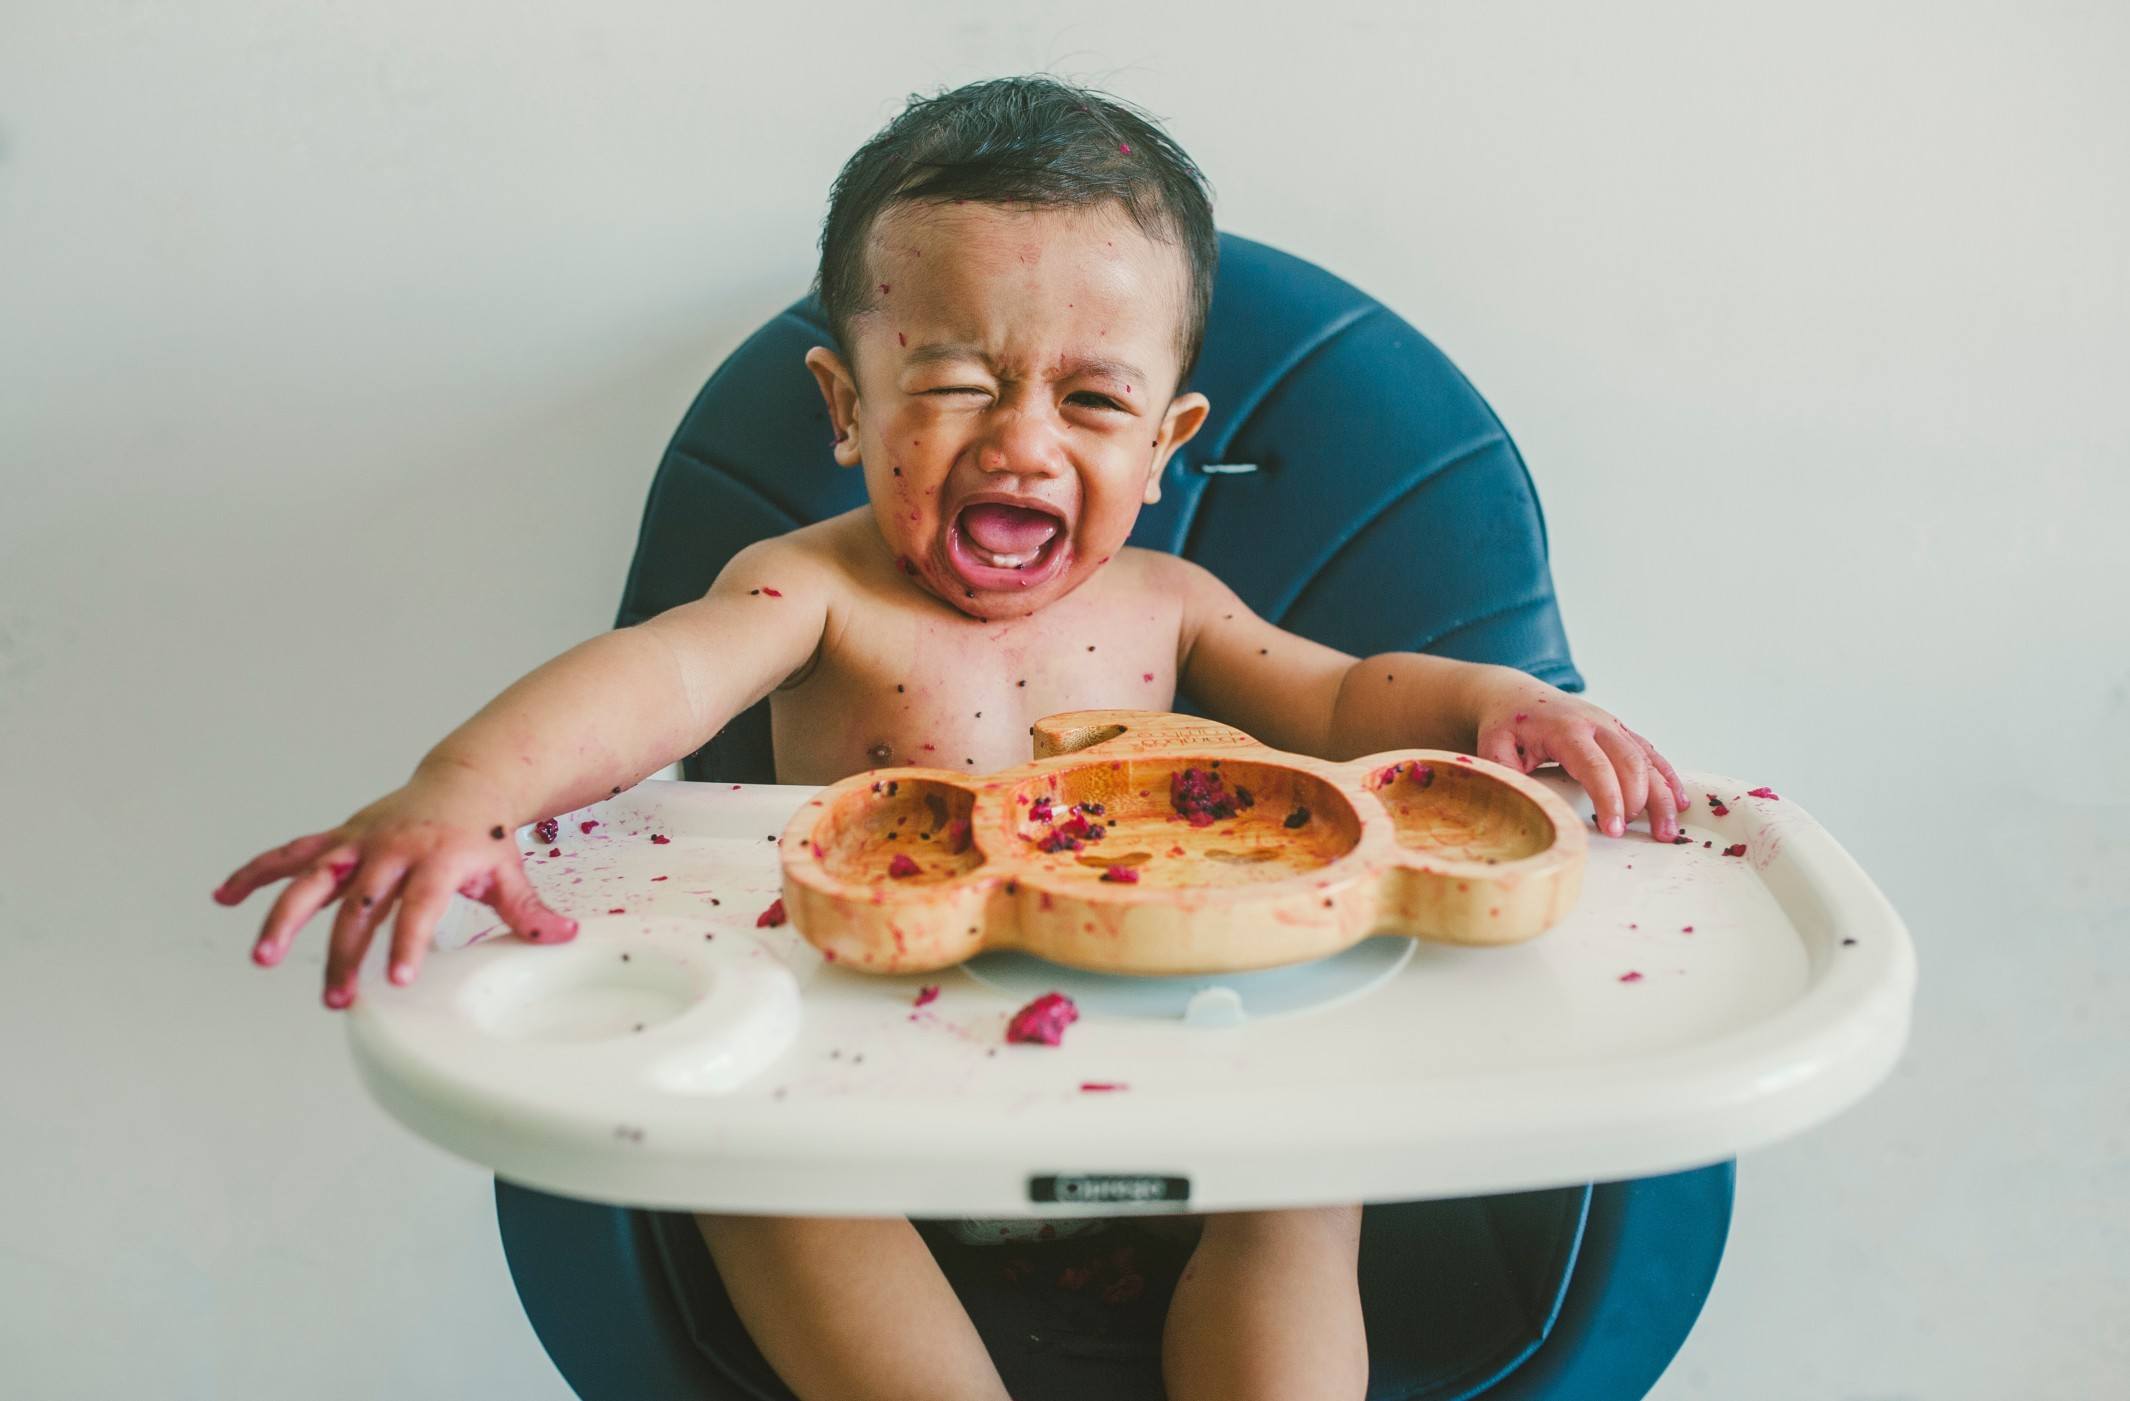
(983, 593)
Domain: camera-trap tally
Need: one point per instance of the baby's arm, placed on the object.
(1301, 696)
(584, 726)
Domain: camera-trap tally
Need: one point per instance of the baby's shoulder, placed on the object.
(822, 558)
(1171, 576)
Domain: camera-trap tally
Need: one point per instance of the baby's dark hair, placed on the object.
(1026, 140)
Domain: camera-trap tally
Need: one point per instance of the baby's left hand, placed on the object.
(1524, 723)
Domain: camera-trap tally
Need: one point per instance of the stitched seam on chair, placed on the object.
(1420, 477)
(791, 515)
(1466, 624)
(1218, 450)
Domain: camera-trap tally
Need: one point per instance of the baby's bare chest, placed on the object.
(899, 685)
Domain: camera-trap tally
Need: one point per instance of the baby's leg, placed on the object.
(1270, 1306)
(850, 1309)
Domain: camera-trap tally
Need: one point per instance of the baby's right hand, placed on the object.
(416, 845)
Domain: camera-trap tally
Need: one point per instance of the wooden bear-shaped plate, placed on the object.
(1139, 841)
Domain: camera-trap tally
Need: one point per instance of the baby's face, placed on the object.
(1011, 398)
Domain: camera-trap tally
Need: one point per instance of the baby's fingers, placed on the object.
(300, 900)
(1631, 766)
(362, 908)
(427, 895)
(1663, 813)
(1502, 748)
(1588, 765)
(1663, 766)
(269, 866)
(511, 895)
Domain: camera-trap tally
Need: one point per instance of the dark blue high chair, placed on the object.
(1351, 486)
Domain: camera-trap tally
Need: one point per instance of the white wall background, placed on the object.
(338, 341)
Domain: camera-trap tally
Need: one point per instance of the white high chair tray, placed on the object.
(676, 1056)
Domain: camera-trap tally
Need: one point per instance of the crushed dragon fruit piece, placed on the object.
(1043, 1020)
(1630, 977)
(1715, 805)
(554, 851)
(585, 827)
(1770, 794)
(902, 866)
(928, 993)
(1681, 840)
(1094, 1087)
(771, 917)
(773, 593)
(1122, 875)
(1040, 810)
(1421, 774)
(1200, 797)
(660, 839)
(1057, 841)
(547, 830)
(1736, 849)
(958, 836)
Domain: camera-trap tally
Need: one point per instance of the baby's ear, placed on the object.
(1186, 414)
(839, 387)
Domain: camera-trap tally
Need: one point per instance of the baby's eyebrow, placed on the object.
(960, 350)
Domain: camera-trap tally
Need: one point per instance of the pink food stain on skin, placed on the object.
(901, 339)
(340, 870)
(1630, 977)
(958, 836)
(820, 854)
(902, 866)
(773, 916)
(773, 593)
(1522, 716)
(1770, 794)
(1095, 1087)
(904, 562)
(660, 839)
(1043, 1021)
(883, 289)
(1737, 849)
(927, 993)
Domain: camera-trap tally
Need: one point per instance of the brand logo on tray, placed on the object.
(1109, 1187)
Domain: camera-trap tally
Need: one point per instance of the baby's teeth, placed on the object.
(997, 561)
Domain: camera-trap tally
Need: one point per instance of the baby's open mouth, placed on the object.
(998, 545)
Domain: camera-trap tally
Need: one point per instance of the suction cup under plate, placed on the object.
(1201, 999)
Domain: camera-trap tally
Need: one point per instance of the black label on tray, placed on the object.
(1103, 1187)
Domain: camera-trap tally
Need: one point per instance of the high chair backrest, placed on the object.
(1349, 484)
